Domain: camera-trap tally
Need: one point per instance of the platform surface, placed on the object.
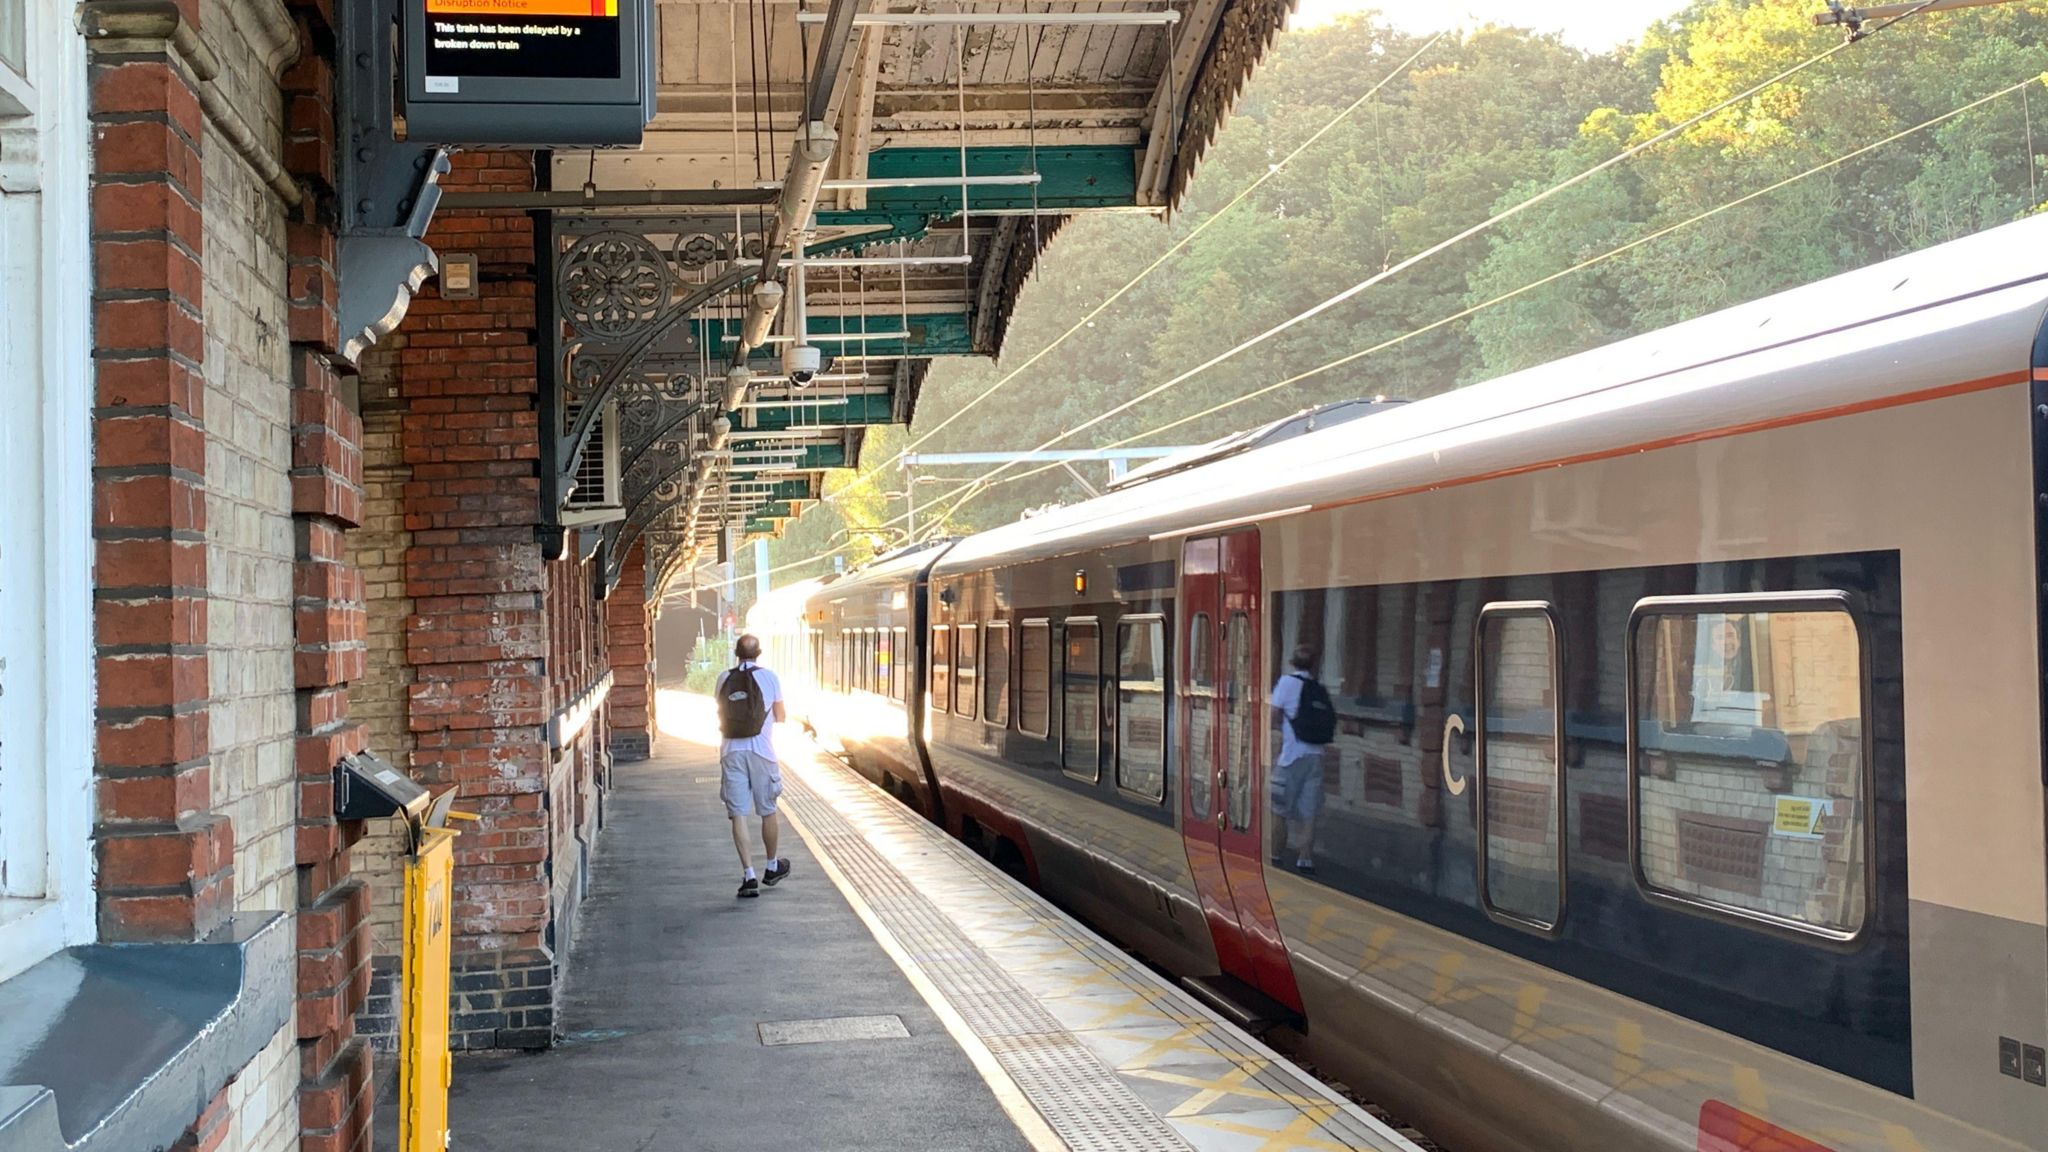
(896, 992)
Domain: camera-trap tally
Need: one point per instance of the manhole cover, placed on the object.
(778, 1032)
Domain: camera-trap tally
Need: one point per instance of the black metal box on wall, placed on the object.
(539, 73)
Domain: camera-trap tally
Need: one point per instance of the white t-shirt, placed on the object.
(1286, 696)
(771, 693)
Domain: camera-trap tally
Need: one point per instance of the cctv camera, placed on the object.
(800, 362)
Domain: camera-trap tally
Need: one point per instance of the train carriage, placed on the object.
(1687, 787)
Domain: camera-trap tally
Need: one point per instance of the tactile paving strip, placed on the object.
(1086, 1105)
(980, 938)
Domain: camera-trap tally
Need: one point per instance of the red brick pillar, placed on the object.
(629, 633)
(477, 638)
(328, 626)
(166, 860)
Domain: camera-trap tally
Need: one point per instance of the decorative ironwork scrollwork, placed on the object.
(611, 284)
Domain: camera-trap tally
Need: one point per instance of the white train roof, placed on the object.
(1957, 313)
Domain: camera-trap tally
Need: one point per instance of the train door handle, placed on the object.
(1222, 799)
(1454, 724)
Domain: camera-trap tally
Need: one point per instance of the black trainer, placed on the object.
(776, 873)
(750, 887)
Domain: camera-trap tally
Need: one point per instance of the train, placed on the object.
(1686, 788)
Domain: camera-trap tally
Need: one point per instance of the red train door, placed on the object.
(1222, 740)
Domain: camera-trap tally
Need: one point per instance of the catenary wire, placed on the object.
(1583, 265)
(1440, 246)
(970, 490)
(1272, 170)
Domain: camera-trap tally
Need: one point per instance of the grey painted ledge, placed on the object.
(121, 1046)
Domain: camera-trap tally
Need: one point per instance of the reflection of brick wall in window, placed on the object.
(1603, 827)
(1518, 811)
(1721, 852)
(1383, 781)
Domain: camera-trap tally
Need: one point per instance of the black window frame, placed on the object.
(1523, 610)
(1163, 664)
(989, 707)
(1043, 625)
(1065, 674)
(936, 700)
(1750, 603)
(967, 637)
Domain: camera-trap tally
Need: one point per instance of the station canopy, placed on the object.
(845, 126)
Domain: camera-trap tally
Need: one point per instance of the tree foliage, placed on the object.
(1477, 125)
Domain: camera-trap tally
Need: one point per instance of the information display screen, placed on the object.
(475, 39)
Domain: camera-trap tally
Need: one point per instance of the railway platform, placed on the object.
(897, 991)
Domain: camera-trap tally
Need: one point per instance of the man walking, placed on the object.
(1308, 723)
(749, 704)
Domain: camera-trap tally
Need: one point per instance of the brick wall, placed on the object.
(629, 635)
(476, 635)
(225, 471)
(378, 701)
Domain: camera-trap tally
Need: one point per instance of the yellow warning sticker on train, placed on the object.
(1799, 817)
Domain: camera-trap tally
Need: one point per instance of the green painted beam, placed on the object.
(1101, 176)
(866, 409)
(931, 334)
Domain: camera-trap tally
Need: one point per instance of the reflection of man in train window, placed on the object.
(1724, 688)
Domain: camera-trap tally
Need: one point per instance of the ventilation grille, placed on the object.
(597, 470)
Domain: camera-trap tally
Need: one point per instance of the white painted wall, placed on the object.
(46, 656)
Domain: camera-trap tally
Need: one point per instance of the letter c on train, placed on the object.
(1453, 724)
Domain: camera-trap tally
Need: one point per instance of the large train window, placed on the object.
(1081, 702)
(1034, 678)
(1141, 706)
(899, 676)
(966, 679)
(1749, 764)
(1519, 766)
(885, 658)
(941, 686)
(1200, 695)
(995, 675)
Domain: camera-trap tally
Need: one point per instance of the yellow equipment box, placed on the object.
(424, 1065)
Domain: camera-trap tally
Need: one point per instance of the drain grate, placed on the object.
(775, 1033)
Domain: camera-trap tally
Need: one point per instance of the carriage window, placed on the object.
(842, 661)
(1518, 766)
(1201, 714)
(885, 658)
(899, 677)
(1034, 678)
(1748, 759)
(942, 668)
(1081, 702)
(967, 653)
(1141, 706)
(995, 676)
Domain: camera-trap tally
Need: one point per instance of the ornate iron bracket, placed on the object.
(388, 190)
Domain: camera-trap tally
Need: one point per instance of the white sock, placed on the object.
(750, 874)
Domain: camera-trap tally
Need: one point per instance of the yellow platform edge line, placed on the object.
(1015, 1103)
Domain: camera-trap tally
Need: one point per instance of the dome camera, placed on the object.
(801, 362)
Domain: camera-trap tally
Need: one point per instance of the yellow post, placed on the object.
(424, 1065)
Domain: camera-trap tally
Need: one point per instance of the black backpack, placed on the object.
(1315, 718)
(742, 713)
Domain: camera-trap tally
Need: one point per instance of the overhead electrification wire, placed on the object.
(1271, 171)
(1590, 262)
(1441, 246)
(969, 491)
